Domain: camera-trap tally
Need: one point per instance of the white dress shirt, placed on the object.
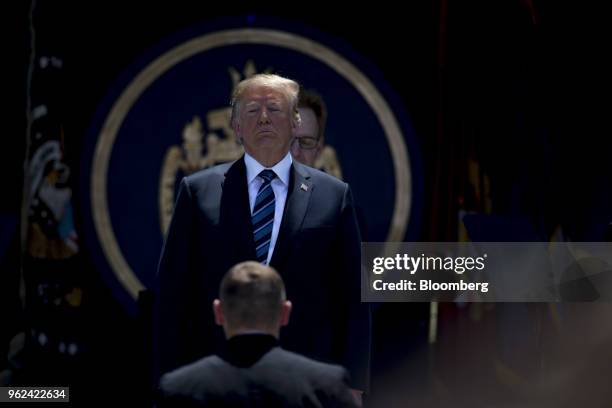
(280, 186)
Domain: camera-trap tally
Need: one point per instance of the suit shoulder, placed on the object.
(186, 379)
(214, 172)
(211, 174)
(321, 178)
(322, 372)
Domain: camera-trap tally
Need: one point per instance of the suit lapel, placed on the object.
(298, 197)
(235, 217)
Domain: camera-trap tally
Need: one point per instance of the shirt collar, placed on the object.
(282, 168)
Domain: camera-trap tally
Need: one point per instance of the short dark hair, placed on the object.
(252, 295)
(311, 99)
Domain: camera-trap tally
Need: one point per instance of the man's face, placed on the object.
(265, 124)
(308, 132)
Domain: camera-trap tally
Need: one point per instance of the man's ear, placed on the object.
(218, 312)
(319, 148)
(236, 128)
(295, 122)
(285, 313)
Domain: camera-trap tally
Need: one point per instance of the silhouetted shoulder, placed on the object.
(329, 381)
(188, 380)
(279, 378)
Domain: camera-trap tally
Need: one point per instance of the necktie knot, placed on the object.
(267, 176)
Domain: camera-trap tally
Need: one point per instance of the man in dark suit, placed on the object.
(269, 208)
(253, 371)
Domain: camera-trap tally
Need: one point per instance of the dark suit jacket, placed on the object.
(254, 372)
(317, 253)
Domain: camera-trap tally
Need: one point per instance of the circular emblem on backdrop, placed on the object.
(168, 117)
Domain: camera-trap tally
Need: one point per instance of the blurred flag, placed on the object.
(51, 272)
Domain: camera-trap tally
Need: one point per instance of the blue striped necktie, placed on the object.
(263, 216)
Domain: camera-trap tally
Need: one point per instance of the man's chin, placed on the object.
(269, 155)
(267, 138)
(272, 142)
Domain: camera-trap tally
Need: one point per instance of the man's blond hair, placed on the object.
(287, 86)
